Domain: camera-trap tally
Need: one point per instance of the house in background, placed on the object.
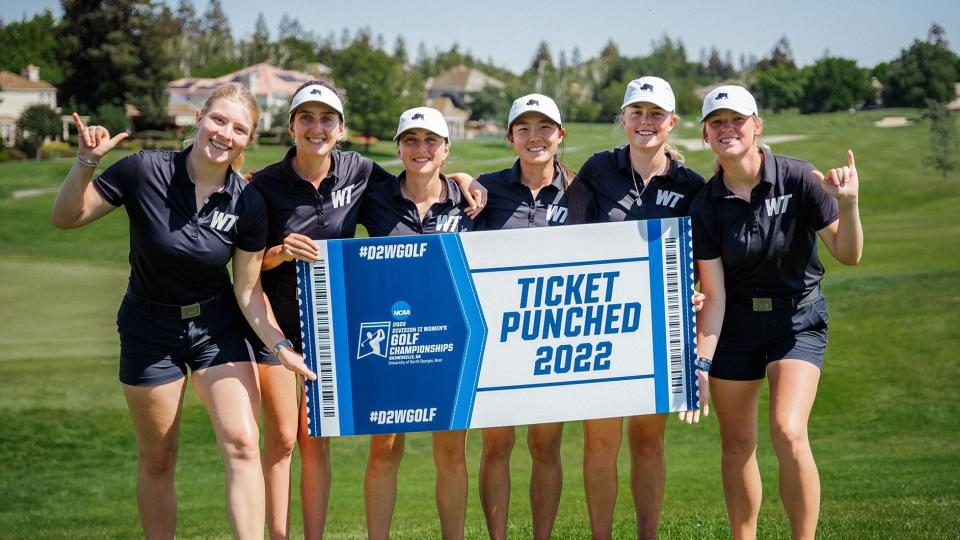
(272, 86)
(17, 92)
(450, 92)
(954, 105)
(458, 83)
(456, 118)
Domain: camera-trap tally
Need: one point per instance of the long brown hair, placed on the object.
(244, 97)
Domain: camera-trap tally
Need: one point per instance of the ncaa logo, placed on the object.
(400, 310)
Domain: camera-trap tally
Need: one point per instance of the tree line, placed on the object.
(104, 54)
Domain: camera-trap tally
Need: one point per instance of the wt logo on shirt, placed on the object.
(777, 205)
(556, 214)
(448, 223)
(668, 198)
(222, 222)
(342, 196)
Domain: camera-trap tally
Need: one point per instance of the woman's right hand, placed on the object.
(300, 247)
(293, 361)
(95, 141)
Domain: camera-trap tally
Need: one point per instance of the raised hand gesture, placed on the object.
(841, 183)
(95, 141)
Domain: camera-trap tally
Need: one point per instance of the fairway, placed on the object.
(884, 430)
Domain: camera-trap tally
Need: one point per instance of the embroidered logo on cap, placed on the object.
(533, 102)
(646, 87)
(316, 91)
(721, 95)
(417, 116)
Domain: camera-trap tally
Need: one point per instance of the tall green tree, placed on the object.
(373, 83)
(943, 138)
(218, 54)
(927, 70)
(777, 87)
(257, 49)
(834, 84)
(117, 52)
(31, 42)
(188, 38)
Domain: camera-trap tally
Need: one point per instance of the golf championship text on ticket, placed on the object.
(480, 329)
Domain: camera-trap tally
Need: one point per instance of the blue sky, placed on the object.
(509, 31)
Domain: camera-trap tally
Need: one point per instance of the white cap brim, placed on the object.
(316, 93)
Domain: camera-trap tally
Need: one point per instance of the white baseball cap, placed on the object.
(650, 90)
(534, 103)
(316, 93)
(426, 118)
(730, 96)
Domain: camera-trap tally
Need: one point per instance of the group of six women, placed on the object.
(761, 314)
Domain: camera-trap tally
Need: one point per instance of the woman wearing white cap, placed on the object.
(755, 229)
(424, 201)
(645, 179)
(532, 193)
(315, 192)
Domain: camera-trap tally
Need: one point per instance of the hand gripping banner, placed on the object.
(480, 329)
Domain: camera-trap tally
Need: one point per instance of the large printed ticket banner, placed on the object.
(456, 331)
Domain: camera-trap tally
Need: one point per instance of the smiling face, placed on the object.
(224, 130)
(422, 152)
(731, 134)
(535, 138)
(646, 125)
(316, 128)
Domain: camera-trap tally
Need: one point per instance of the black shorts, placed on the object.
(157, 344)
(750, 339)
(287, 312)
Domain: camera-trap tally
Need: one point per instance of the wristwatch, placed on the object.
(703, 364)
(281, 344)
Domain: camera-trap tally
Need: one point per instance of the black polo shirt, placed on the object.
(611, 195)
(177, 254)
(386, 212)
(768, 245)
(295, 206)
(511, 205)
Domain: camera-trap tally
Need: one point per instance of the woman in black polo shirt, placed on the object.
(424, 201)
(315, 192)
(532, 193)
(645, 179)
(189, 214)
(755, 230)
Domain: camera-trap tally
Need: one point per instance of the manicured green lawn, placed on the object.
(884, 428)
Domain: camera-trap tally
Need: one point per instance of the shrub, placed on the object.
(8, 154)
(56, 150)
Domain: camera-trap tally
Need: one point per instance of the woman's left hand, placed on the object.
(697, 300)
(841, 183)
(693, 417)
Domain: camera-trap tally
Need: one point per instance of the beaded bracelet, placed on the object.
(85, 161)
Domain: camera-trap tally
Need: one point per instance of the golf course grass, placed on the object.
(885, 427)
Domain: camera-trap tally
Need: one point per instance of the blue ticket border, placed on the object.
(460, 273)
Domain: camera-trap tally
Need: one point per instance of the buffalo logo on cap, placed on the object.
(646, 87)
(721, 95)
(316, 91)
(533, 102)
(417, 116)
